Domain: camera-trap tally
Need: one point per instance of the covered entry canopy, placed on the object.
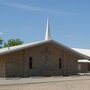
(83, 65)
(83, 61)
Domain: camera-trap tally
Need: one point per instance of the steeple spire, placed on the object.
(48, 34)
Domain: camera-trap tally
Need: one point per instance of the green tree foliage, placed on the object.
(1, 42)
(13, 42)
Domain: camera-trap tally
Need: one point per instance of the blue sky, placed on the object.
(26, 19)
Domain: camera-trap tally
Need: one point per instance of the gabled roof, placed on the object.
(83, 51)
(24, 46)
(19, 47)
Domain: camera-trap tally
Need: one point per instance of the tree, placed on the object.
(13, 42)
(1, 42)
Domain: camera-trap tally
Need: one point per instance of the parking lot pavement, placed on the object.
(35, 80)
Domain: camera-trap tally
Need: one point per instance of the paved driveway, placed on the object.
(49, 83)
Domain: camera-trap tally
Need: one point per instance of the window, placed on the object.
(60, 64)
(30, 63)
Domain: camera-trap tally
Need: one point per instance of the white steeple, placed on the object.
(48, 34)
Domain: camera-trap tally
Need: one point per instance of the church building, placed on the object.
(42, 58)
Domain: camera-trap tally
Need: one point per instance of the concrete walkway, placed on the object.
(35, 80)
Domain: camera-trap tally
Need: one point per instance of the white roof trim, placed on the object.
(84, 61)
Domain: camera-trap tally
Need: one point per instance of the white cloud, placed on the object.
(32, 8)
(1, 33)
